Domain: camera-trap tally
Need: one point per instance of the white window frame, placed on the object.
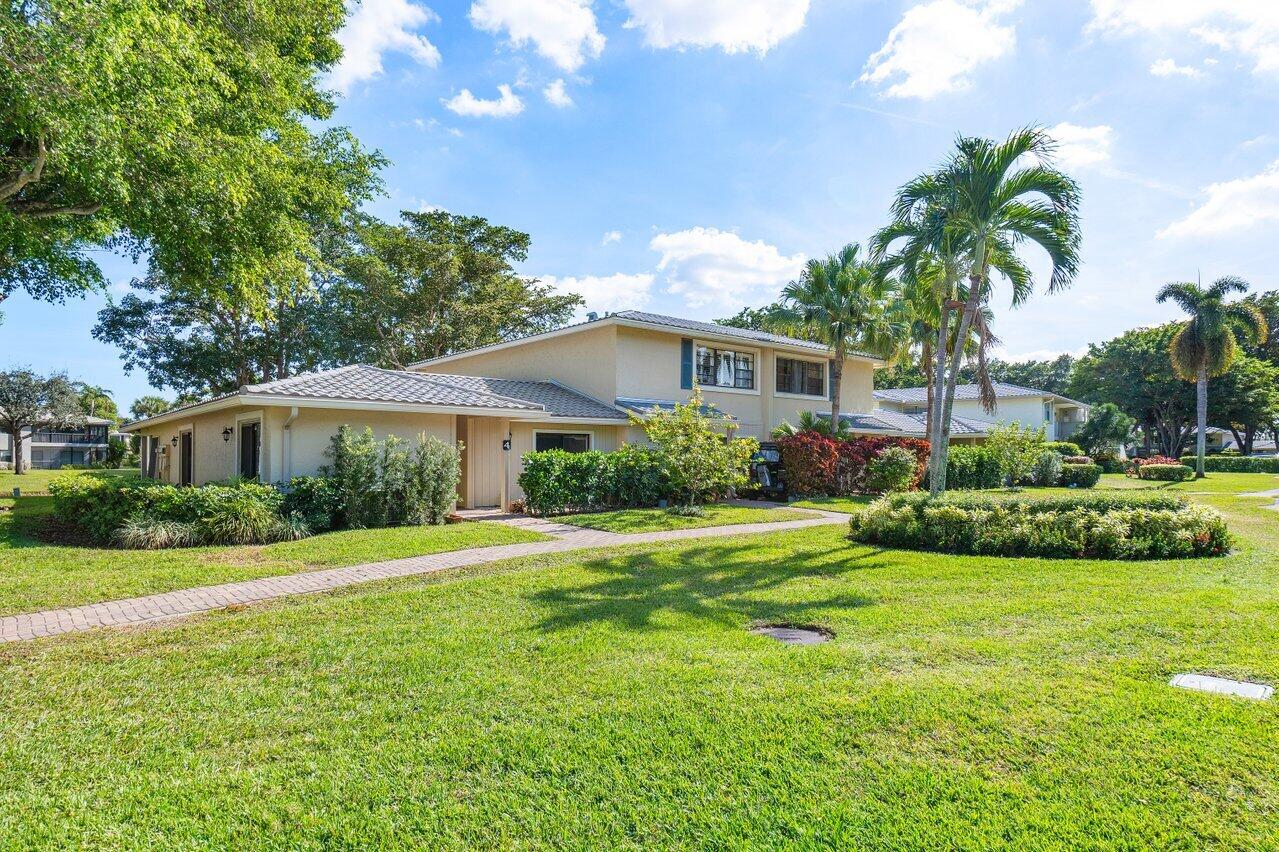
(589, 433)
(728, 347)
(824, 362)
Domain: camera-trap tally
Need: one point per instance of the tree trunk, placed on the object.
(1201, 420)
(836, 380)
(1249, 435)
(948, 402)
(937, 458)
(926, 367)
(15, 438)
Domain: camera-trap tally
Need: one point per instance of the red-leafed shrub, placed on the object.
(810, 462)
(816, 464)
(1135, 465)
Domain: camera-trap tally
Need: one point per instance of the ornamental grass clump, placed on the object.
(1086, 526)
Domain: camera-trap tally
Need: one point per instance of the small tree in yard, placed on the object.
(27, 400)
(1017, 449)
(701, 462)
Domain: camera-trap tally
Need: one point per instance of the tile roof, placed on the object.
(1002, 389)
(640, 406)
(911, 424)
(723, 330)
(554, 398)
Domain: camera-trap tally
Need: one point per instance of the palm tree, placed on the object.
(845, 302)
(1206, 344)
(810, 422)
(972, 216)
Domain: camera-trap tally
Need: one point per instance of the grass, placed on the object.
(658, 520)
(37, 481)
(35, 575)
(834, 504)
(616, 699)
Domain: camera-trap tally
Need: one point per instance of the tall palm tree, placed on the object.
(975, 213)
(1206, 344)
(844, 301)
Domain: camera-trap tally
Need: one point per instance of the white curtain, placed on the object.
(724, 375)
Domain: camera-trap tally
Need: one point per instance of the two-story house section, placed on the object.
(47, 447)
(637, 360)
(1059, 416)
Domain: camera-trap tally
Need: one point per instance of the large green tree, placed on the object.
(1207, 343)
(178, 129)
(1245, 400)
(843, 301)
(437, 283)
(149, 406)
(969, 219)
(96, 401)
(1134, 372)
(28, 400)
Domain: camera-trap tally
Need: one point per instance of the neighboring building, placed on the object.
(51, 448)
(1060, 416)
(572, 388)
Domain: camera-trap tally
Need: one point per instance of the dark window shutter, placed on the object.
(686, 364)
(830, 379)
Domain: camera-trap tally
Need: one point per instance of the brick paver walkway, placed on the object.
(207, 598)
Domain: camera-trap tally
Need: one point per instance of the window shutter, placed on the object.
(686, 364)
(830, 380)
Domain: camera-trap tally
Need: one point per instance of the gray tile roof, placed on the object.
(911, 424)
(641, 405)
(723, 330)
(362, 383)
(1002, 389)
(554, 398)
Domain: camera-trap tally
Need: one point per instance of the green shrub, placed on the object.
(556, 482)
(1093, 526)
(436, 471)
(1047, 470)
(1236, 464)
(1109, 462)
(354, 470)
(702, 463)
(100, 506)
(972, 468)
(1165, 472)
(1064, 448)
(1017, 448)
(687, 511)
(1079, 475)
(892, 470)
(313, 499)
(385, 483)
(149, 534)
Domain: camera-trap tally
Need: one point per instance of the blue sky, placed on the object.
(685, 156)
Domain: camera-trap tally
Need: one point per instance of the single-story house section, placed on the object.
(278, 430)
(1060, 416)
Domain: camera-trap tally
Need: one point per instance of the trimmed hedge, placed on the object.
(1109, 526)
(1165, 472)
(1236, 464)
(1080, 475)
(972, 468)
(1064, 448)
(818, 464)
(557, 482)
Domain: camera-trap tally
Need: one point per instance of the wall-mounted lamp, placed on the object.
(226, 434)
(174, 442)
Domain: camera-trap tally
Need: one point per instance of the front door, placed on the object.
(187, 462)
(486, 462)
(250, 449)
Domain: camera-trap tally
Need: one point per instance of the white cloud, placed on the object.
(375, 27)
(556, 96)
(563, 31)
(611, 237)
(607, 292)
(734, 26)
(1247, 27)
(1169, 68)
(1081, 146)
(708, 266)
(507, 104)
(1231, 206)
(936, 44)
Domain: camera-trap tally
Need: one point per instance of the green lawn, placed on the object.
(35, 575)
(37, 481)
(834, 504)
(616, 699)
(656, 520)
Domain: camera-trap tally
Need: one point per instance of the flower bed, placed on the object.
(1102, 526)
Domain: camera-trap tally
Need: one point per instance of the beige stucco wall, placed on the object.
(584, 360)
(299, 451)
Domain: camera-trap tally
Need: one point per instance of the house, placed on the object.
(572, 388)
(1060, 416)
(47, 447)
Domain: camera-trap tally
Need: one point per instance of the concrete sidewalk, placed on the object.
(14, 628)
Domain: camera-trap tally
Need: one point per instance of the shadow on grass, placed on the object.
(715, 582)
(20, 526)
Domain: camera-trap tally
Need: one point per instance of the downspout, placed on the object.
(286, 462)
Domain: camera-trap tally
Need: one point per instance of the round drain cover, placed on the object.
(794, 635)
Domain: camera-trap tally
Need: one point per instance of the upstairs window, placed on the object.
(802, 377)
(725, 368)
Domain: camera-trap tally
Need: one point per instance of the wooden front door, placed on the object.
(187, 463)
